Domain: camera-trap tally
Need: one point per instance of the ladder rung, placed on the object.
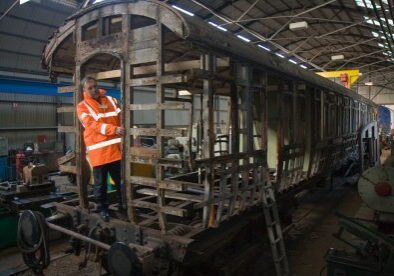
(277, 240)
(281, 258)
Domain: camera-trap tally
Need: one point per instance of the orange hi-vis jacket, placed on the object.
(100, 119)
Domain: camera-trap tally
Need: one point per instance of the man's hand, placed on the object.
(120, 131)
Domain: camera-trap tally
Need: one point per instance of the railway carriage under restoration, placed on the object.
(284, 125)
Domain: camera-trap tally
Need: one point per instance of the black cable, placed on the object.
(37, 256)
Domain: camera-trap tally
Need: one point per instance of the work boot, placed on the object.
(104, 215)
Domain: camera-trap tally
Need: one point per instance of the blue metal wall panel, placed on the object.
(39, 88)
(384, 119)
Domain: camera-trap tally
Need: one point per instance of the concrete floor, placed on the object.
(315, 222)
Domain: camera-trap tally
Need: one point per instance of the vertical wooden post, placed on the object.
(248, 106)
(294, 132)
(127, 94)
(209, 135)
(160, 121)
(234, 112)
(322, 115)
(83, 172)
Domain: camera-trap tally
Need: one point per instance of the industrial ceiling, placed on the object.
(326, 35)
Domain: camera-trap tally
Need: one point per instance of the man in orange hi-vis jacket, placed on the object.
(99, 115)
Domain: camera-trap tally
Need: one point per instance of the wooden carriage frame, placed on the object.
(208, 63)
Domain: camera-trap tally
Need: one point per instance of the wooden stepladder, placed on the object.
(274, 230)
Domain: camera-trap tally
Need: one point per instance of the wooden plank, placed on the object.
(144, 152)
(143, 34)
(70, 129)
(66, 158)
(177, 78)
(64, 109)
(161, 106)
(144, 55)
(157, 132)
(141, 180)
(173, 195)
(182, 100)
(66, 89)
(176, 185)
(68, 169)
(165, 209)
(106, 75)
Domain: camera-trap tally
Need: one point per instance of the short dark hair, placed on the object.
(87, 79)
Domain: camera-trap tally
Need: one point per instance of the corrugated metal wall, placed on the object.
(23, 117)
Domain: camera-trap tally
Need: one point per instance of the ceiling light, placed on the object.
(265, 48)
(279, 55)
(243, 38)
(293, 61)
(370, 83)
(25, 1)
(302, 25)
(217, 26)
(184, 93)
(182, 10)
(303, 66)
(337, 57)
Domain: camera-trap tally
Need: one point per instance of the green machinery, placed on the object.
(373, 253)
(372, 241)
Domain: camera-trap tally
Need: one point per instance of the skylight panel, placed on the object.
(368, 3)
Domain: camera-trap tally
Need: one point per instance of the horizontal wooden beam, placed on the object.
(144, 152)
(165, 209)
(161, 106)
(106, 75)
(166, 79)
(145, 181)
(68, 169)
(151, 69)
(173, 195)
(66, 158)
(176, 185)
(156, 132)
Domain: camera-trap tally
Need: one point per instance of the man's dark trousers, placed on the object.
(100, 174)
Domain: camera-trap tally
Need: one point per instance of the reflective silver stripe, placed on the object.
(94, 115)
(83, 116)
(104, 144)
(103, 128)
(111, 101)
(97, 116)
(109, 114)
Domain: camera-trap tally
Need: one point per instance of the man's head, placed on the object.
(89, 86)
